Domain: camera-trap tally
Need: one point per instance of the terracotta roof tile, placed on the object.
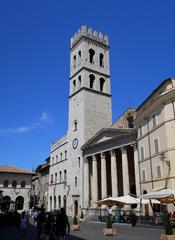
(12, 169)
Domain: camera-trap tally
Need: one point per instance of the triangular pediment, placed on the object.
(107, 134)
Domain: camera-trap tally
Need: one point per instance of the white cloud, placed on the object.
(43, 122)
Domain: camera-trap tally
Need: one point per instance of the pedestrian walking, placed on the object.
(62, 225)
(23, 225)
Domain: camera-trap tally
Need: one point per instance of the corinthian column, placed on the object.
(94, 180)
(114, 174)
(103, 176)
(86, 183)
(136, 168)
(125, 172)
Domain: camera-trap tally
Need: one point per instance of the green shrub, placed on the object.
(167, 225)
(82, 215)
(75, 221)
(109, 222)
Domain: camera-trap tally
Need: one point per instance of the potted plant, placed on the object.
(75, 226)
(168, 229)
(81, 217)
(109, 230)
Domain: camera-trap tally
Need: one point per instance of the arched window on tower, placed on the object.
(79, 81)
(59, 201)
(102, 82)
(60, 176)
(79, 57)
(101, 60)
(75, 125)
(91, 78)
(74, 61)
(65, 176)
(76, 181)
(74, 85)
(91, 55)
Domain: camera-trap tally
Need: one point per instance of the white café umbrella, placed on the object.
(123, 200)
(164, 196)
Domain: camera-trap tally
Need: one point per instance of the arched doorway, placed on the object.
(5, 204)
(76, 208)
(19, 203)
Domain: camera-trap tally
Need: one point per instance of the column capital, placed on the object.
(102, 155)
(134, 146)
(123, 150)
(85, 160)
(112, 153)
(94, 158)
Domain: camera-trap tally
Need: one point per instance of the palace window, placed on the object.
(156, 145)
(143, 175)
(60, 176)
(76, 182)
(14, 184)
(130, 122)
(140, 131)
(56, 158)
(55, 177)
(75, 125)
(79, 162)
(61, 156)
(65, 176)
(65, 152)
(141, 153)
(158, 171)
(6, 183)
(154, 120)
(23, 184)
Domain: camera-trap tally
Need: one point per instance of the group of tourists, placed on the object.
(52, 226)
(49, 226)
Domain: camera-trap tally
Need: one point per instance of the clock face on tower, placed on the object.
(75, 143)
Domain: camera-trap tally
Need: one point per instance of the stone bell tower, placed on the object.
(90, 95)
(89, 102)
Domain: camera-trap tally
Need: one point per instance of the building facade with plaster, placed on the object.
(155, 121)
(16, 186)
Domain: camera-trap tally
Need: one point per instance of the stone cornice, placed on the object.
(90, 90)
(90, 70)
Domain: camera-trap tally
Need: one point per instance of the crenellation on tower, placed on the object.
(90, 33)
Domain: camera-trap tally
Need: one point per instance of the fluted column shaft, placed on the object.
(136, 168)
(86, 183)
(103, 176)
(94, 180)
(114, 174)
(125, 172)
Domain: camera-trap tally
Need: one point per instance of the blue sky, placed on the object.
(34, 64)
